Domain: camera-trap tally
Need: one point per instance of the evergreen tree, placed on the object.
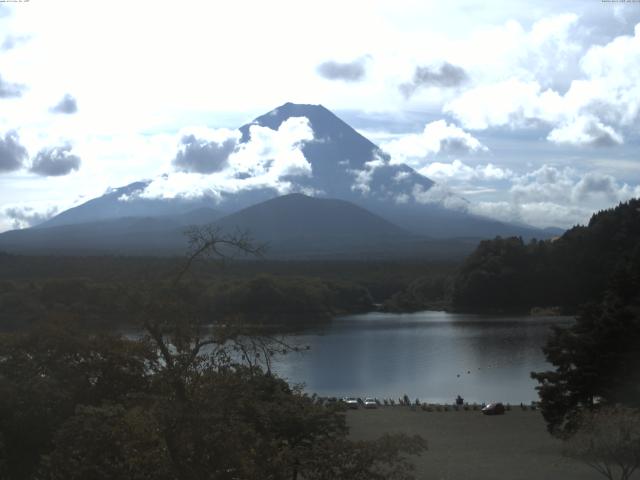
(597, 359)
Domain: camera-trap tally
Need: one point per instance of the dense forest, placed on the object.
(103, 291)
(268, 300)
(507, 274)
(431, 291)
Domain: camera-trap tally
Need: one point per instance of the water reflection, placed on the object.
(433, 356)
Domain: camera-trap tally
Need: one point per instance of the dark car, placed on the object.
(494, 409)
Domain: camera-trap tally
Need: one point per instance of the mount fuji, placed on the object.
(341, 165)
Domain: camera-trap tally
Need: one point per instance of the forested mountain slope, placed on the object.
(508, 274)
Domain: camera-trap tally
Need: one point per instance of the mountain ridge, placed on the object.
(293, 226)
(345, 166)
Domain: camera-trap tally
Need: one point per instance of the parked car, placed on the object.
(370, 403)
(351, 402)
(495, 408)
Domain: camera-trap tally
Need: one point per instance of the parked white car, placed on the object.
(351, 402)
(370, 403)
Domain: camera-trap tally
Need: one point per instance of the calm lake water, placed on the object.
(433, 356)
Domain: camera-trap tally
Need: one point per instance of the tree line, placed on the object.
(591, 397)
(507, 274)
(185, 400)
(283, 301)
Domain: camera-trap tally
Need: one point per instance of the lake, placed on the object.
(433, 356)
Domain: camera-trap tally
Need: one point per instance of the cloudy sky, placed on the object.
(527, 109)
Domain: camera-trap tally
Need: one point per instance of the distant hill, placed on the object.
(298, 216)
(297, 225)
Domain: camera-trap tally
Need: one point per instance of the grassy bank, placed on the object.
(466, 445)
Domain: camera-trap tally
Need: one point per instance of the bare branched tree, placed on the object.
(179, 332)
(608, 440)
(210, 241)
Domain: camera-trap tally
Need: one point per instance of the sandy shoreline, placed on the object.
(466, 445)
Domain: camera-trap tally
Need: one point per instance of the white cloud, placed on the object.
(613, 73)
(401, 176)
(547, 183)
(439, 194)
(586, 130)
(551, 47)
(504, 211)
(23, 216)
(438, 137)
(12, 152)
(457, 171)
(512, 102)
(443, 76)
(205, 150)
(275, 153)
(265, 161)
(55, 161)
(606, 186)
(470, 190)
(363, 178)
(538, 214)
(353, 71)
(544, 52)
(551, 184)
(590, 113)
(402, 198)
(556, 196)
(545, 196)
